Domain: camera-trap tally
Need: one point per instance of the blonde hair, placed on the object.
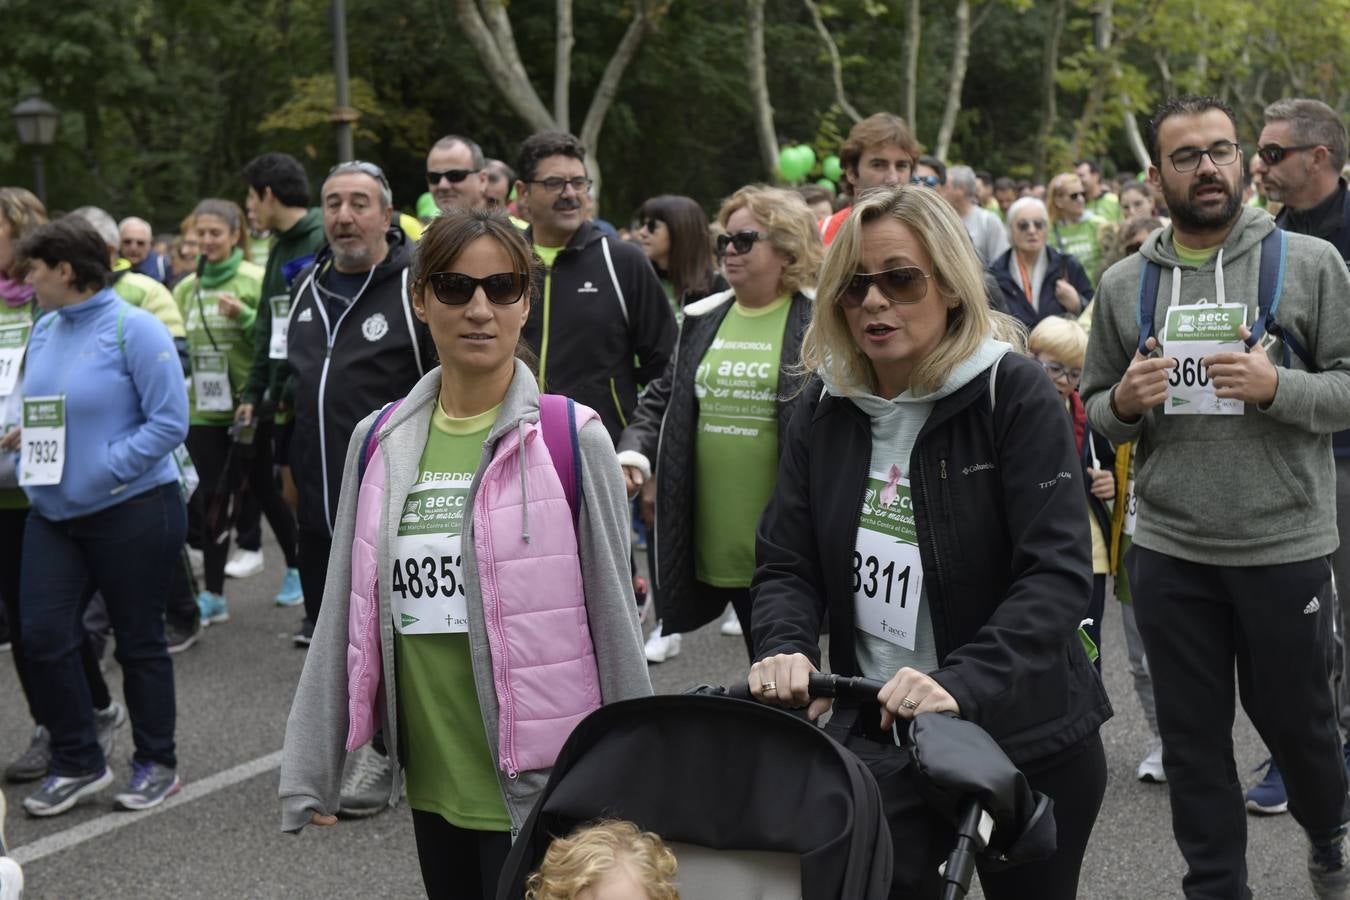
(828, 348)
(588, 854)
(1062, 338)
(790, 225)
(1052, 192)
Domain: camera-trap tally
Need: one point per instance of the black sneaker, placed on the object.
(180, 637)
(35, 761)
(1329, 867)
(306, 634)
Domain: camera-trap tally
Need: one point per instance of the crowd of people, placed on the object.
(955, 420)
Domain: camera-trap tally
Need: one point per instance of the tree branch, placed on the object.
(516, 89)
(759, 87)
(836, 67)
(562, 66)
(956, 79)
(913, 34)
(609, 84)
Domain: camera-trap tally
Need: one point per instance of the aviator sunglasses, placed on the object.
(905, 284)
(741, 240)
(457, 289)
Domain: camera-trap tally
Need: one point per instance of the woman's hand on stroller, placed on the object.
(910, 692)
(782, 681)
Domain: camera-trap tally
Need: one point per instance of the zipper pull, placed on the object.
(942, 469)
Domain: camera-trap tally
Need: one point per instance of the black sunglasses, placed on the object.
(1077, 195)
(650, 225)
(457, 289)
(1274, 154)
(454, 176)
(905, 284)
(741, 240)
(931, 181)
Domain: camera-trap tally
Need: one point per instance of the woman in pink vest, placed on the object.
(479, 601)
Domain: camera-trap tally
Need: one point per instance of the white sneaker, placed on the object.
(11, 879)
(244, 564)
(731, 625)
(661, 647)
(1150, 769)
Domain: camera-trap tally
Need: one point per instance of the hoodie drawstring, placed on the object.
(1176, 285)
(524, 495)
(1218, 277)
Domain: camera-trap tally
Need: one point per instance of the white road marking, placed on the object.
(193, 791)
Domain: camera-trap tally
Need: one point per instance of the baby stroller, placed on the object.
(755, 801)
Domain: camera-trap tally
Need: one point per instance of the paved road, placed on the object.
(220, 837)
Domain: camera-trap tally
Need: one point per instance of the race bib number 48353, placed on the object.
(427, 584)
(1191, 334)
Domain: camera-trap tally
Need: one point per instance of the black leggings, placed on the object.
(457, 862)
(209, 446)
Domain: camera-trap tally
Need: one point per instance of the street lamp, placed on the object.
(36, 121)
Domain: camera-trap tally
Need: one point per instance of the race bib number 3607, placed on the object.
(1191, 334)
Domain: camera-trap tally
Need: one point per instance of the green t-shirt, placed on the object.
(736, 441)
(547, 254)
(1192, 257)
(232, 337)
(449, 766)
(1106, 206)
(1082, 241)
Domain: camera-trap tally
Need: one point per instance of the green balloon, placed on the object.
(426, 207)
(830, 166)
(787, 164)
(828, 185)
(807, 156)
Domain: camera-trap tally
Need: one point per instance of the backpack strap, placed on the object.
(558, 422)
(1274, 251)
(1148, 302)
(369, 447)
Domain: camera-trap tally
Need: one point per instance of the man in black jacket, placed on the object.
(353, 345)
(1299, 159)
(603, 327)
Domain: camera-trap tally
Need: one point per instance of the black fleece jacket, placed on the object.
(1002, 537)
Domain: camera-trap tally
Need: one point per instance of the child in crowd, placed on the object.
(605, 861)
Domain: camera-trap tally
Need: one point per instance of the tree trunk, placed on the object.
(913, 36)
(955, 80)
(609, 86)
(1136, 140)
(759, 87)
(1049, 66)
(836, 67)
(513, 83)
(562, 66)
(1101, 40)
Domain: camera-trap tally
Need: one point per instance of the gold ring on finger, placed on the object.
(769, 687)
(908, 703)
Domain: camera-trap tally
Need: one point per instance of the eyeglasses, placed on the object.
(1077, 195)
(580, 184)
(1057, 371)
(457, 289)
(741, 240)
(1187, 159)
(1274, 154)
(454, 176)
(650, 225)
(135, 243)
(931, 181)
(1030, 224)
(905, 284)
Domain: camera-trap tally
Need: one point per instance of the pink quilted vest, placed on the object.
(534, 608)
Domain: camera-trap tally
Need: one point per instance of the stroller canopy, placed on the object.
(722, 774)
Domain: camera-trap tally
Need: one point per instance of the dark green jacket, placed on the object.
(303, 239)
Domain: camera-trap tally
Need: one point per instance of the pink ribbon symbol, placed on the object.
(889, 491)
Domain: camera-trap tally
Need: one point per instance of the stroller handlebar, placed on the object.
(825, 684)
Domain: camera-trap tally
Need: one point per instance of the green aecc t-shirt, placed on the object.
(449, 766)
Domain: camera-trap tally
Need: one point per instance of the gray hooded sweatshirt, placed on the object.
(316, 732)
(1249, 490)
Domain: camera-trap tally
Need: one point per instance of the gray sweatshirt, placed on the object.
(1248, 490)
(316, 731)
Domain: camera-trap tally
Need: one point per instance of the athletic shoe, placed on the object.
(661, 647)
(1150, 769)
(181, 637)
(1268, 797)
(35, 761)
(306, 634)
(151, 784)
(106, 722)
(59, 793)
(198, 560)
(291, 594)
(213, 608)
(11, 879)
(731, 626)
(244, 564)
(1329, 868)
(368, 784)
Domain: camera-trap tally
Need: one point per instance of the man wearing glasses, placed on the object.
(1299, 159)
(138, 248)
(602, 328)
(457, 173)
(1235, 514)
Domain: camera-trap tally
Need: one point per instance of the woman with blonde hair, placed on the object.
(711, 427)
(925, 505)
(1073, 228)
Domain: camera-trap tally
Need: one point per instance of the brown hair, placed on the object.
(23, 211)
(228, 212)
(878, 128)
(791, 228)
(690, 265)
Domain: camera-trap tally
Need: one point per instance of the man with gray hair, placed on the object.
(1298, 159)
(456, 173)
(985, 230)
(137, 245)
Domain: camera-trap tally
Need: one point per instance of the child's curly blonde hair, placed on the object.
(582, 859)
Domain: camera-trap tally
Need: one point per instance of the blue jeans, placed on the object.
(127, 552)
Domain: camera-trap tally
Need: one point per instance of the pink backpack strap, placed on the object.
(369, 446)
(558, 420)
